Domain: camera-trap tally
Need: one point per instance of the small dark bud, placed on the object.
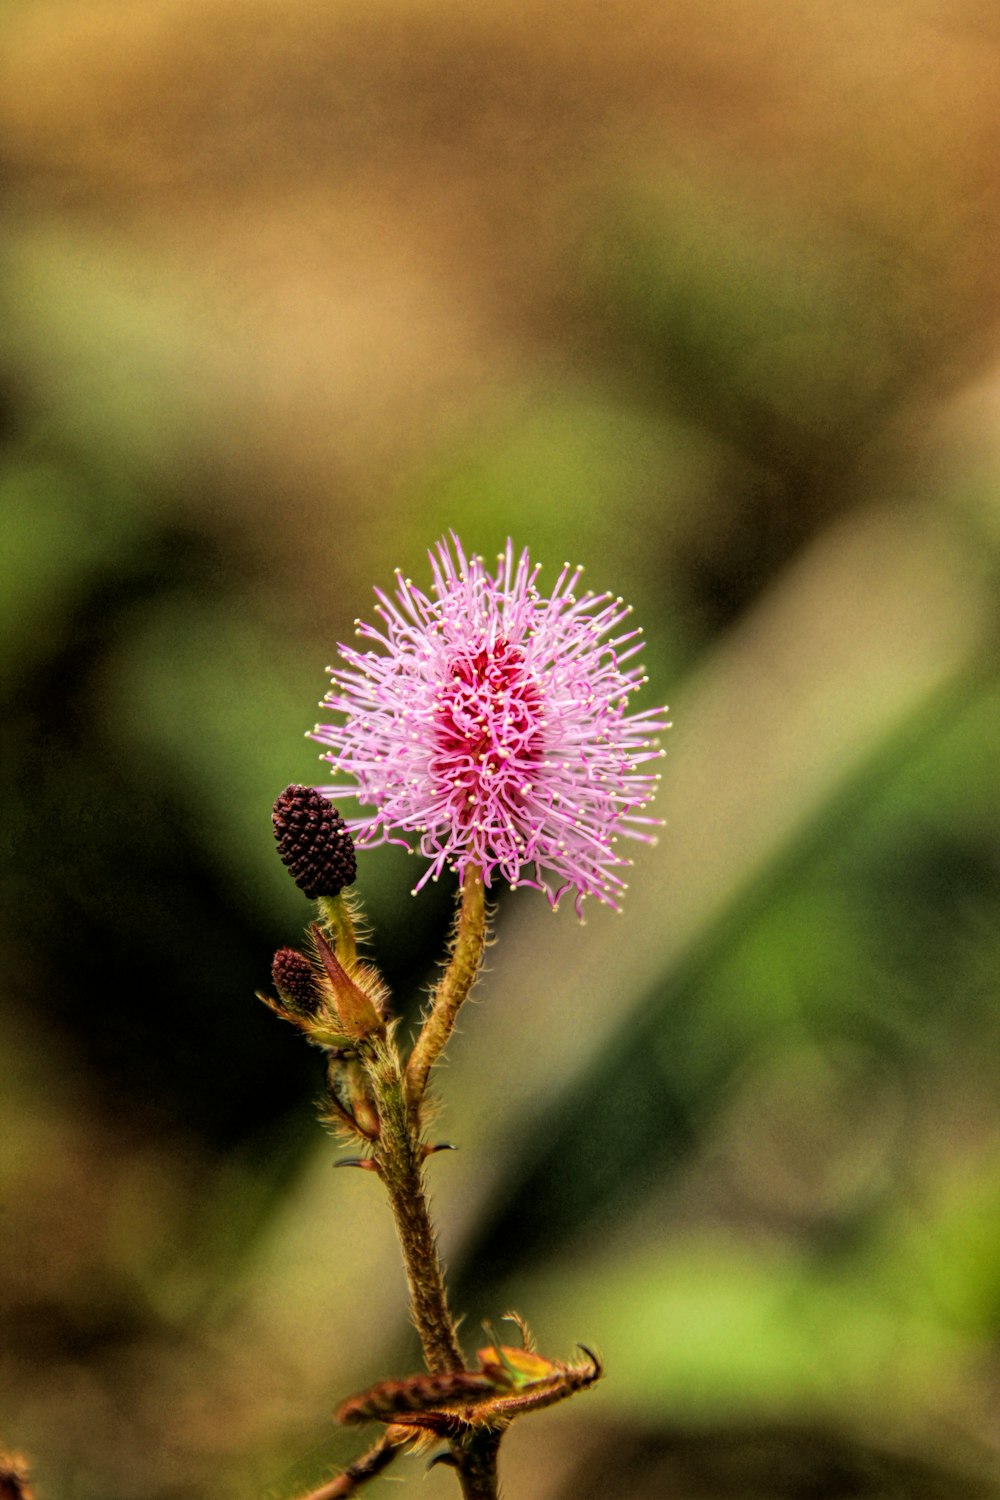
(313, 842)
(295, 980)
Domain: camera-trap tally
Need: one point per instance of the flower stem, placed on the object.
(399, 1156)
(337, 917)
(476, 1462)
(358, 1473)
(452, 988)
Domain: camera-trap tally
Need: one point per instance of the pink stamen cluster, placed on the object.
(491, 725)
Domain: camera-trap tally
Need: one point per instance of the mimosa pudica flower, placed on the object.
(489, 725)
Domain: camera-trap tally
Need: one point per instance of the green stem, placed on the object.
(335, 915)
(452, 988)
(476, 1462)
(399, 1155)
(358, 1473)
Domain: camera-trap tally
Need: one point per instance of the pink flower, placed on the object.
(490, 725)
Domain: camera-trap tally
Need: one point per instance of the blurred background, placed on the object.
(706, 297)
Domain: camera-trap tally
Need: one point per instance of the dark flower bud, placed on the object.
(295, 980)
(313, 842)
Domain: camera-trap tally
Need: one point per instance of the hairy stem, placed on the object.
(399, 1156)
(358, 1473)
(452, 988)
(476, 1462)
(337, 917)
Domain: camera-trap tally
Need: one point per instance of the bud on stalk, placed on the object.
(313, 841)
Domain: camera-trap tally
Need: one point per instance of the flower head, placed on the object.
(490, 724)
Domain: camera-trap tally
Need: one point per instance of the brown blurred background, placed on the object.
(703, 296)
